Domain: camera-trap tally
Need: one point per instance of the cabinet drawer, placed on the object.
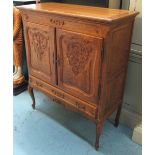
(68, 100)
(67, 23)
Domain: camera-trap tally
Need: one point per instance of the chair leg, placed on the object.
(30, 89)
(118, 115)
(98, 133)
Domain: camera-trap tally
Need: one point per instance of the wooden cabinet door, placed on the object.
(40, 49)
(78, 57)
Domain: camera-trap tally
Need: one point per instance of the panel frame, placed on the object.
(51, 78)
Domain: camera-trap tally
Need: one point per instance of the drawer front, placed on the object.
(70, 101)
(66, 23)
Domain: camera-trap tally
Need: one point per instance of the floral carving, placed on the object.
(80, 106)
(78, 53)
(57, 22)
(39, 41)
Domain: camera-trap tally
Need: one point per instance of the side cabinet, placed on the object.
(78, 55)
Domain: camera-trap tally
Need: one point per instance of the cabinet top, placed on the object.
(87, 12)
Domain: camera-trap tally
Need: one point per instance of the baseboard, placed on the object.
(137, 134)
(128, 118)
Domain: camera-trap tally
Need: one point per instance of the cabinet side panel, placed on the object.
(119, 52)
(115, 66)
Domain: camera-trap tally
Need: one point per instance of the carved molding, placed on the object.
(57, 22)
(78, 52)
(58, 93)
(25, 16)
(39, 40)
(39, 84)
(81, 107)
(35, 82)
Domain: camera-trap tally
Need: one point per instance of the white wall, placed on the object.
(137, 33)
(114, 4)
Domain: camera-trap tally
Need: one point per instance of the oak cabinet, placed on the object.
(78, 56)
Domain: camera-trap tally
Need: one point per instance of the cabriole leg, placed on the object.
(98, 133)
(30, 89)
(118, 116)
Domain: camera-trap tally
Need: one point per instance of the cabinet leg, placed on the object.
(30, 89)
(98, 133)
(118, 116)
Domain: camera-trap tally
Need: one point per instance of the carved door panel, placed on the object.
(40, 51)
(78, 57)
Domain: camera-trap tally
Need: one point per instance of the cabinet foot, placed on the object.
(98, 133)
(30, 89)
(118, 116)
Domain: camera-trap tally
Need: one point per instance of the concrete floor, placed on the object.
(53, 130)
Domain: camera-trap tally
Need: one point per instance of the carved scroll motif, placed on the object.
(39, 40)
(80, 106)
(58, 93)
(57, 22)
(25, 16)
(78, 53)
(39, 84)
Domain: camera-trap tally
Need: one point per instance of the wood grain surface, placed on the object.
(87, 12)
